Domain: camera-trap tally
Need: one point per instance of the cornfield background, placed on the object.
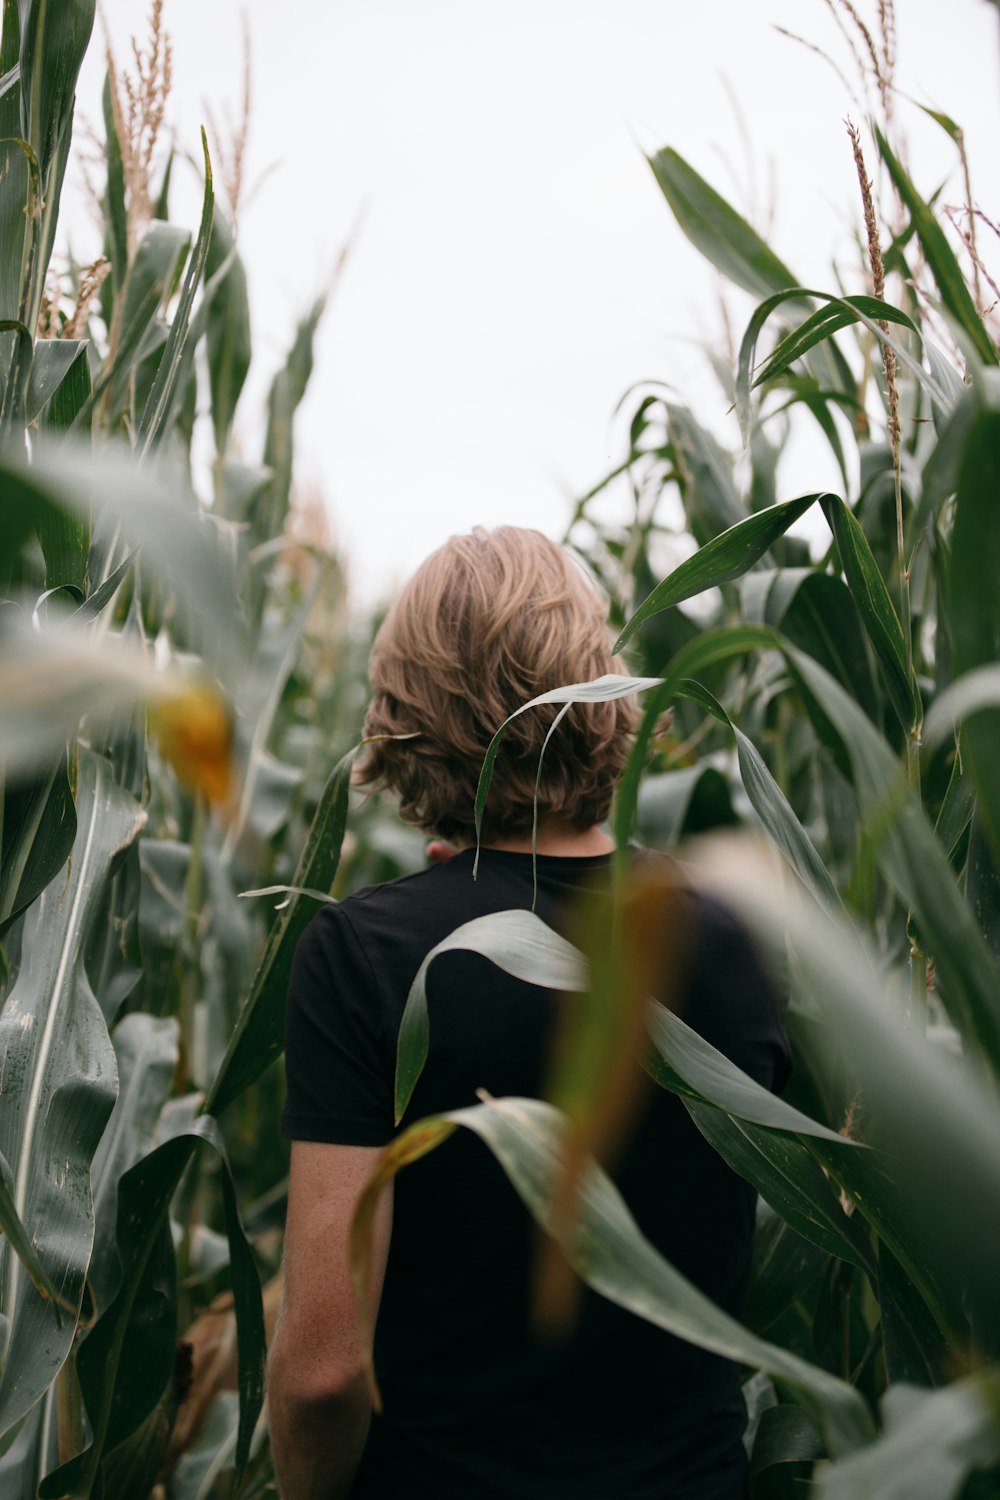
(178, 676)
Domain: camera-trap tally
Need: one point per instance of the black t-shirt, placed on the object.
(475, 1408)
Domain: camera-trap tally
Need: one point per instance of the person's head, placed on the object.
(489, 621)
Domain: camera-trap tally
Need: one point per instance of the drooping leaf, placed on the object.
(685, 1058)
(721, 560)
(516, 941)
(600, 690)
(606, 1248)
(703, 651)
(835, 314)
(771, 805)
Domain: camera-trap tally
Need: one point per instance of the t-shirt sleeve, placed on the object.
(337, 1048)
(734, 1001)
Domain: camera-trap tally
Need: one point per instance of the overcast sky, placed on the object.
(517, 268)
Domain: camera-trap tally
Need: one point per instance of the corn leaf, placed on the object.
(717, 230)
(719, 561)
(945, 269)
(152, 423)
(913, 861)
(838, 313)
(39, 829)
(703, 651)
(53, 42)
(517, 942)
(787, 1177)
(227, 336)
(875, 607)
(258, 1036)
(975, 608)
(770, 804)
(19, 1241)
(50, 366)
(932, 1443)
(608, 1251)
(600, 690)
(59, 1089)
(127, 1357)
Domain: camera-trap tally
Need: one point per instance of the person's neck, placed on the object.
(559, 838)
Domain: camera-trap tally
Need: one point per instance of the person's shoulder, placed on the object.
(410, 890)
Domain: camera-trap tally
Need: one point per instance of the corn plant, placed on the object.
(845, 705)
(176, 680)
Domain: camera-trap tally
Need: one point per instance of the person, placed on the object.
(474, 1404)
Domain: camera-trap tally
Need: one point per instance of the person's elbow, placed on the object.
(300, 1379)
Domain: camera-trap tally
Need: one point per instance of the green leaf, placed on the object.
(837, 313)
(689, 800)
(151, 282)
(684, 1057)
(608, 1251)
(934, 1115)
(973, 605)
(787, 1177)
(600, 690)
(53, 42)
(13, 182)
(875, 607)
(703, 651)
(721, 560)
(717, 230)
(771, 805)
(712, 502)
(785, 1437)
(516, 941)
(152, 422)
(146, 1049)
(931, 1445)
(258, 1036)
(115, 218)
(816, 612)
(227, 337)
(127, 1356)
(913, 862)
(19, 1240)
(50, 366)
(59, 1090)
(941, 261)
(39, 828)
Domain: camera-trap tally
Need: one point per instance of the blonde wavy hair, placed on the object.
(489, 621)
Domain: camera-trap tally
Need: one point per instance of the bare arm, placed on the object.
(318, 1401)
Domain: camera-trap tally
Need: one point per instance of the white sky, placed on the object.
(517, 267)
